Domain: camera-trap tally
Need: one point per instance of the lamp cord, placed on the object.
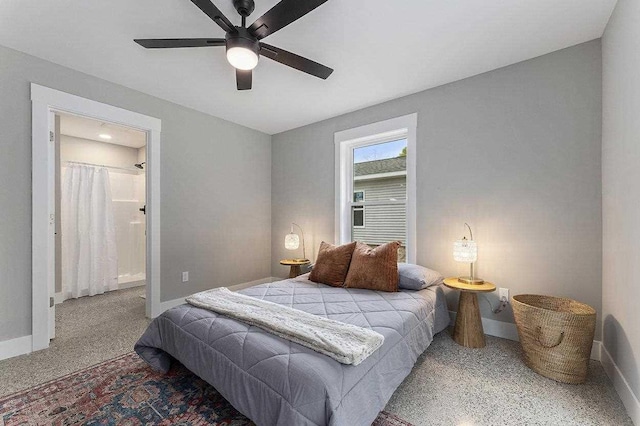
(304, 251)
(501, 307)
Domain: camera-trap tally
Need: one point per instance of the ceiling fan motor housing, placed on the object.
(242, 38)
(244, 7)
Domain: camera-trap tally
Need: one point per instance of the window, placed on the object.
(358, 210)
(375, 184)
(358, 217)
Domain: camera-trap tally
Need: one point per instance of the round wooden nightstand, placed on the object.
(295, 266)
(468, 329)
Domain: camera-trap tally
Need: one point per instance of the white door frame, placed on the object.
(43, 101)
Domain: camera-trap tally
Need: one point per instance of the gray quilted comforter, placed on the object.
(277, 382)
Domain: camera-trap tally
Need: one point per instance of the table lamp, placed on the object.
(292, 241)
(467, 251)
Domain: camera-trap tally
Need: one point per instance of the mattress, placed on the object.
(274, 381)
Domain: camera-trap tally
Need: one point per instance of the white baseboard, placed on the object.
(596, 350)
(508, 330)
(165, 306)
(629, 399)
(179, 301)
(252, 283)
(14, 347)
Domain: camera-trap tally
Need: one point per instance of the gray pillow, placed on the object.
(416, 277)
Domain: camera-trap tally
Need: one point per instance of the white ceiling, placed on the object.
(86, 128)
(380, 49)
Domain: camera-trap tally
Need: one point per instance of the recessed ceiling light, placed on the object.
(105, 136)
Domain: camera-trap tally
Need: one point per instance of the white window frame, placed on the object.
(380, 132)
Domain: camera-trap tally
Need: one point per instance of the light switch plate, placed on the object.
(185, 276)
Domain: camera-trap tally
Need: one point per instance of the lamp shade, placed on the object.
(291, 241)
(465, 251)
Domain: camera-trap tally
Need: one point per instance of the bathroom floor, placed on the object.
(89, 330)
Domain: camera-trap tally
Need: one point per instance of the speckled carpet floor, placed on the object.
(89, 330)
(453, 385)
(450, 385)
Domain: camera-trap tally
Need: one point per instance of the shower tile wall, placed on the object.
(127, 193)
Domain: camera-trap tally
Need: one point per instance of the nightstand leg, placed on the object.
(295, 271)
(468, 329)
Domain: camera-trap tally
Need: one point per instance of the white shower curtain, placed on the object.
(89, 256)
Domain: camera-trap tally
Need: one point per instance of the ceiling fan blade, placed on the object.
(281, 15)
(243, 79)
(214, 13)
(294, 61)
(168, 43)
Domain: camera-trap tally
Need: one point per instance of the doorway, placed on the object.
(46, 104)
(100, 200)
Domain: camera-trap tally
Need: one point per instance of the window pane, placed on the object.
(381, 224)
(380, 174)
(358, 217)
(380, 171)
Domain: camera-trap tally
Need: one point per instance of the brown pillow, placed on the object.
(332, 264)
(374, 268)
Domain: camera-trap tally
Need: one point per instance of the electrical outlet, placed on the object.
(185, 276)
(503, 294)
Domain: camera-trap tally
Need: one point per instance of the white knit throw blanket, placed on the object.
(346, 343)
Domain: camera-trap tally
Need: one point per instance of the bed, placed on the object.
(277, 382)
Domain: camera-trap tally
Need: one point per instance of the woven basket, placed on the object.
(556, 335)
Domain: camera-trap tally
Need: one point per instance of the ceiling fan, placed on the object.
(243, 44)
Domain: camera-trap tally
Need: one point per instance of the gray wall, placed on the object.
(514, 152)
(89, 151)
(216, 204)
(621, 190)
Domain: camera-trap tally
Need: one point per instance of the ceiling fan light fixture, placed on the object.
(242, 58)
(242, 50)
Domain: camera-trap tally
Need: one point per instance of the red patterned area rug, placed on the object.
(125, 391)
